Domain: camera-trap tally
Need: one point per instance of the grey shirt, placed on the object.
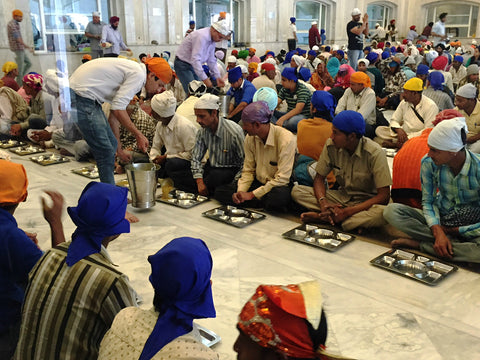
(95, 29)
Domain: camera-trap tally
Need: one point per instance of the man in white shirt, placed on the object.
(458, 71)
(196, 88)
(176, 133)
(415, 113)
(292, 36)
(115, 81)
(438, 33)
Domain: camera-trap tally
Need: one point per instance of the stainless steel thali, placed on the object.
(27, 150)
(182, 199)
(49, 159)
(90, 172)
(234, 216)
(318, 236)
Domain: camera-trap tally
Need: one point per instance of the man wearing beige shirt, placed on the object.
(466, 102)
(268, 164)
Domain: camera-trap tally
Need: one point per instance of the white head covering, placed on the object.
(222, 27)
(271, 61)
(446, 136)
(315, 48)
(468, 91)
(164, 104)
(314, 23)
(316, 62)
(410, 61)
(356, 11)
(299, 60)
(96, 13)
(219, 54)
(377, 24)
(364, 61)
(244, 69)
(231, 59)
(207, 101)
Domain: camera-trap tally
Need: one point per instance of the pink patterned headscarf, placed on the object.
(34, 80)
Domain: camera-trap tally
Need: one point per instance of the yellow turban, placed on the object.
(161, 69)
(13, 183)
(252, 49)
(414, 84)
(360, 77)
(9, 66)
(253, 65)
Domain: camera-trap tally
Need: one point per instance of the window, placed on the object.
(381, 14)
(306, 12)
(461, 19)
(59, 25)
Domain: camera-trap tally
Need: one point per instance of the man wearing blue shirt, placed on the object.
(242, 92)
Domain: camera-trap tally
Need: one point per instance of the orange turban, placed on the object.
(17, 13)
(13, 183)
(360, 77)
(87, 57)
(223, 14)
(161, 69)
(275, 317)
(253, 65)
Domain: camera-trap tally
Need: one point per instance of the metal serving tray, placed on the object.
(390, 152)
(49, 159)
(90, 172)
(182, 199)
(232, 215)
(27, 150)
(414, 266)
(318, 236)
(7, 144)
(209, 338)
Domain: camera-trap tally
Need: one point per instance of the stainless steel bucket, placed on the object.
(224, 102)
(142, 181)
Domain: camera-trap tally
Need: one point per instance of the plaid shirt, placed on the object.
(453, 191)
(13, 29)
(144, 123)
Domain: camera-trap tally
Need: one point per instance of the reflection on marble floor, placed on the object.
(372, 314)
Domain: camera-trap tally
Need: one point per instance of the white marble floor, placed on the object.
(372, 314)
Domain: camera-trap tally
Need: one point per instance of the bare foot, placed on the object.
(131, 218)
(404, 242)
(311, 216)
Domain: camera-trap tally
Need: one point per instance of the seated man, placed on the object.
(472, 77)
(361, 98)
(19, 251)
(436, 91)
(180, 277)
(267, 77)
(449, 224)
(466, 102)
(297, 97)
(361, 169)
(10, 69)
(75, 290)
(13, 109)
(241, 91)
(415, 113)
(458, 71)
(176, 134)
(294, 327)
(224, 141)
(269, 156)
(196, 88)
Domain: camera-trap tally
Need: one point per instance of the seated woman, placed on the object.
(321, 79)
(181, 273)
(342, 81)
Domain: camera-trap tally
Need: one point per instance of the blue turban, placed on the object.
(333, 66)
(191, 22)
(372, 57)
(323, 101)
(288, 56)
(234, 74)
(328, 48)
(458, 58)
(304, 74)
(312, 52)
(301, 51)
(368, 48)
(341, 53)
(181, 273)
(270, 53)
(290, 73)
(436, 80)
(393, 64)
(393, 49)
(292, 19)
(350, 121)
(422, 69)
(385, 55)
(268, 95)
(100, 213)
(322, 31)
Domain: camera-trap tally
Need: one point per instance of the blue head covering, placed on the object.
(436, 80)
(368, 48)
(341, 53)
(181, 273)
(292, 19)
(328, 48)
(393, 49)
(458, 58)
(323, 101)
(385, 55)
(301, 51)
(304, 74)
(312, 52)
(422, 69)
(333, 66)
(191, 22)
(372, 57)
(322, 31)
(288, 56)
(100, 213)
(270, 53)
(350, 121)
(234, 74)
(268, 95)
(290, 73)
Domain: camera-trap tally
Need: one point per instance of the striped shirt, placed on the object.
(300, 95)
(453, 191)
(14, 34)
(68, 310)
(439, 97)
(225, 147)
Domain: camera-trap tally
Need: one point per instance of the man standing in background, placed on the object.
(355, 32)
(112, 40)
(17, 45)
(313, 35)
(94, 33)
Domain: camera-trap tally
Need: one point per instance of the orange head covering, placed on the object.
(360, 77)
(253, 65)
(276, 317)
(161, 69)
(223, 14)
(17, 13)
(87, 57)
(13, 183)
